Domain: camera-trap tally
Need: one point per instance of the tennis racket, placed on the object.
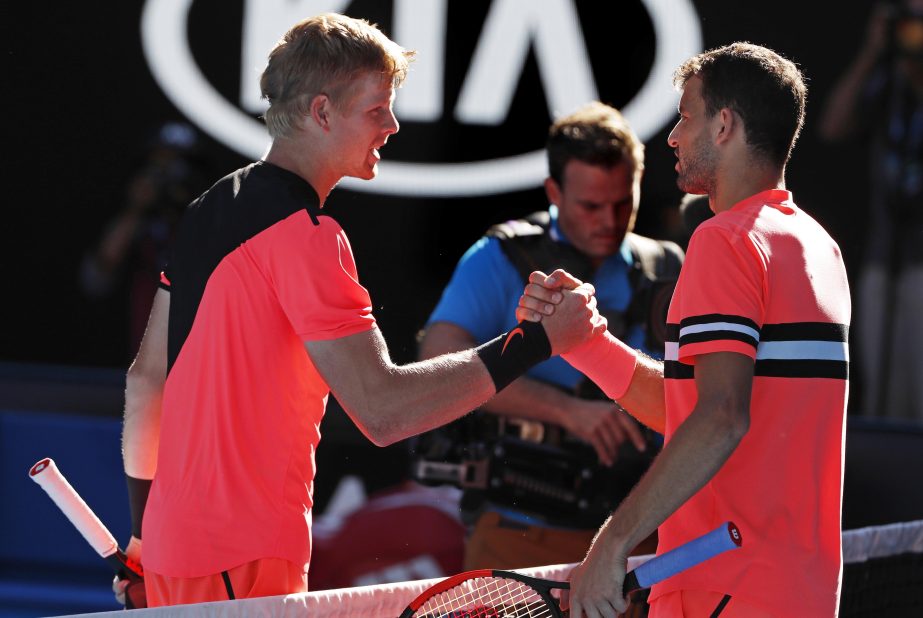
(503, 594)
(49, 478)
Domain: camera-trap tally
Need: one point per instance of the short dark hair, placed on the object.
(596, 134)
(765, 89)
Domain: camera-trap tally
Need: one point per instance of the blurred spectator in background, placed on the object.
(133, 248)
(881, 96)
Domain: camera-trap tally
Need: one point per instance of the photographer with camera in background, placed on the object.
(133, 248)
(881, 96)
(546, 460)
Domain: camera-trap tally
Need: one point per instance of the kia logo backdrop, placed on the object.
(579, 54)
(88, 84)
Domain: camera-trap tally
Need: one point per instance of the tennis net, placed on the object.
(883, 571)
(882, 576)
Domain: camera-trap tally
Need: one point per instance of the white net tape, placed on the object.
(389, 600)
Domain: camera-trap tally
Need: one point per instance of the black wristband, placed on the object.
(138, 489)
(512, 354)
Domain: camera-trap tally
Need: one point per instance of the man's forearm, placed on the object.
(598, 423)
(140, 441)
(403, 401)
(392, 402)
(629, 377)
(144, 392)
(695, 453)
(141, 428)
(524, 398)
(644, 399)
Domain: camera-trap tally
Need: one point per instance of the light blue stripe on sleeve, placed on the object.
(802, 350)
(714, 326)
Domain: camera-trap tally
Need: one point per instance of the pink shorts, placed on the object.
(703, 604)
(261, 578)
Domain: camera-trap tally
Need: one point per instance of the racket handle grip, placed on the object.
(721, 539)
(49, 478)
(123, 565)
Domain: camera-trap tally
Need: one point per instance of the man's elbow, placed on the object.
(382, 435)
(384, 439)
(141, 384)
(735, 419)
(741, 424)
(729, 417)
(376, 425)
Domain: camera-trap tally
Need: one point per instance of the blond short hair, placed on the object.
(325, 54)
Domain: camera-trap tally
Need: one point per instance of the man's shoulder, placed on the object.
(485, 253)
(264, 192)
(530, 226)
(732, 225)
(530, 244)
(227, 187)
(236, 176)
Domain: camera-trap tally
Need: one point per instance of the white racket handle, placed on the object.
(49, 478)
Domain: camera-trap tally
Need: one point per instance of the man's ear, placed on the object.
(729, 124)
(552, 191)
(320, 111)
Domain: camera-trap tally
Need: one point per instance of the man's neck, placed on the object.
(735, 185)
(292, 156)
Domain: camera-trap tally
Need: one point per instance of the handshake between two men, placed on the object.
(544, 292)
(566, 308)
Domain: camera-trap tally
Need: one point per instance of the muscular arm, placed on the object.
(390, 402)
(143, 395)
(694, 454)
(598, 423)
(644, 398)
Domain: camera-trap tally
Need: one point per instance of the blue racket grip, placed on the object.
(724, 537)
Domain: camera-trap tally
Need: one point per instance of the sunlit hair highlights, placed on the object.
(324, 54)
(765, 89)
(596, 134)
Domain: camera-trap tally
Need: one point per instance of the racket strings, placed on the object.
(490, 597)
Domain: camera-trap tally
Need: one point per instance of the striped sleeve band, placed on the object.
(790, 350)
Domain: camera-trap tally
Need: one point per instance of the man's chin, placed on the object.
(366, 174)
(689, 187)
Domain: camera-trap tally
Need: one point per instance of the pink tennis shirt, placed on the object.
(243, 402)
(765, 280)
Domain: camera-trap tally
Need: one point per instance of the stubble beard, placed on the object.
(698, 170)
